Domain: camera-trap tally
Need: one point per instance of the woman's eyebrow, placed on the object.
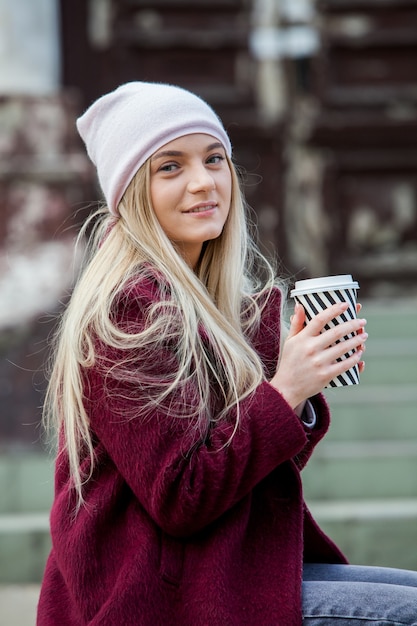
(166, 153)
(178, 153)
(215, 146)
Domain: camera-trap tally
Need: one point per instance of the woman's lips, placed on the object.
(200, 208)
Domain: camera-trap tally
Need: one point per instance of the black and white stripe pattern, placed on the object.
(313, 303)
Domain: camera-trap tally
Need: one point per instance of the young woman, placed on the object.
(182, 424)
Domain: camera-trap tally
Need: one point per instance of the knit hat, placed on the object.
(123, 128)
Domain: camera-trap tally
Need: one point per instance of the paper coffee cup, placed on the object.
(317, 294)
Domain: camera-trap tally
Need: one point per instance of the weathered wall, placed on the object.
(45, 183)
(320, 106)
(351, 199)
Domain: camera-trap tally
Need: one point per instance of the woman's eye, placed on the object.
(168, 167)
(215, 158)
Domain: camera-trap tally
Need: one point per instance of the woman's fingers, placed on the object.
(314, 353)
(358, 310)
(338, 350)
(319, 321)
(297, 320)
(332, 370)
(316, 325)
(343, 339)
(338, 333)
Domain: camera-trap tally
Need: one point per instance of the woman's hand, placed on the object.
(309, 356)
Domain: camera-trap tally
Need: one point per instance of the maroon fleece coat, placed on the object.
(168, 537)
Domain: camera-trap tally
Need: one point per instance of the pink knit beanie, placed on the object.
(123, 128)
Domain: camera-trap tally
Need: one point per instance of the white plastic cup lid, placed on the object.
(325, 283)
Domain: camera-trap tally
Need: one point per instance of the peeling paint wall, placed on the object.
(46, 184)
(29, 47)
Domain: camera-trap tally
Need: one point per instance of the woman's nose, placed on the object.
(200, 180)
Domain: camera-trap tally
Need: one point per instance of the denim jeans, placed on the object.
(353, 595)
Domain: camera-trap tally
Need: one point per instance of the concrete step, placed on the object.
(361, 483)
(24, 547)
(368, 412)
(391, 318)
(349, 460)
(18, 604)
(372, 532)
(374, 469)
(26, 482)
(377, 532)
(390, 361)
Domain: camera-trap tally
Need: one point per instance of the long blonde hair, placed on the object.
(218, 296)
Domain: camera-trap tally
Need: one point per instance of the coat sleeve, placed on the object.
(183, 481)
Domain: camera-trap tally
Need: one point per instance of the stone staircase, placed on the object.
(362, 481)
(46, 185)
(361, 484)
(26, 485)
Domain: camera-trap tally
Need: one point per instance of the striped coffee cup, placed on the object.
(317, 294)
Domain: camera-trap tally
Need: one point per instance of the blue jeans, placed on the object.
(353, 595)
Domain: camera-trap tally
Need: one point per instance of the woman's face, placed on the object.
(191, 190)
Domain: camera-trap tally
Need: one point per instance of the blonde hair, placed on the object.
(226, 304)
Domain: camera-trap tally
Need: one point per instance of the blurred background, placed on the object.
(320, 101)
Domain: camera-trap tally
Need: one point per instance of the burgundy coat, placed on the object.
(215, 537)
